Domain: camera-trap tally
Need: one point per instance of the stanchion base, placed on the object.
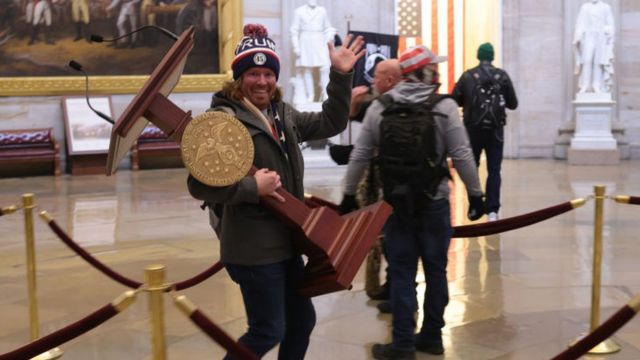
(608, 346)
(52, 354)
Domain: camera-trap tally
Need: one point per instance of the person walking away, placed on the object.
(484, 92)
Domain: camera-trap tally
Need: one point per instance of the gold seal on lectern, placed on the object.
(217, 149)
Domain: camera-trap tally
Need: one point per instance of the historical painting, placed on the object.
(38, 38)
(87, 133)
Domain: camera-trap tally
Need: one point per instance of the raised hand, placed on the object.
(344, 58)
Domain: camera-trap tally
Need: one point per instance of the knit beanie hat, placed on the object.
(485, 52)
(255, 49)
(418, 57)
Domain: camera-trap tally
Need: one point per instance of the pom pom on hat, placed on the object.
(255, 49)
(485, 52)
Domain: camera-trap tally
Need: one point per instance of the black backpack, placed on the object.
(488, 103)
(409, 166)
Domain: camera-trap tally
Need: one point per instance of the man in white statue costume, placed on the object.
(310, 33)
(593, 38)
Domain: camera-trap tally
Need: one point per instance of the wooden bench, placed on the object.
(22, 149)
(154, 149)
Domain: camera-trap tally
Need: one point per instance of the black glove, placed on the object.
(348, 204)
(476, 207)
(340, 153)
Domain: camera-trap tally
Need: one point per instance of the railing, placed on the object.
(154, 285)
(596, 342)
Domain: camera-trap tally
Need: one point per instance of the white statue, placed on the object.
(593, 40)
(310, 33)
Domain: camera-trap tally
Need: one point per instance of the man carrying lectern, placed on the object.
(256, 247)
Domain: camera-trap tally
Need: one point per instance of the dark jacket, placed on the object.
(250, 233)
(463, 92)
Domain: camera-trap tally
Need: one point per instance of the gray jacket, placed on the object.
(451, 139)
(250, 233)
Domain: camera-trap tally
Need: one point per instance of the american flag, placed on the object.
(438, 24)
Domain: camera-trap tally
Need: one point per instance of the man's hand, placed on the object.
(348, 204)
(344, 58)
(268, 182)
(357, 97)
(359, 91)
(476, 207)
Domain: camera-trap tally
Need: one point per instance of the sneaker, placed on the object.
(434, 348)
(492, 216)
(388, 352)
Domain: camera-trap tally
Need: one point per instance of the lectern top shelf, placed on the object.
(151, 103)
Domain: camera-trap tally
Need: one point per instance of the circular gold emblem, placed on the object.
(217, 149)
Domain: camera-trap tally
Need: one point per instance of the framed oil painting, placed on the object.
(39, 38)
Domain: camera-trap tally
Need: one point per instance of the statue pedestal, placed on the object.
(592, 142)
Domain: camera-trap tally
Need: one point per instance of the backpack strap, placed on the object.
(443, 171)
(386, 100)
(433, 100)
(490, 76)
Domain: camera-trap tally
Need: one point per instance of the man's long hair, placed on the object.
(231, 90)
(423, 75)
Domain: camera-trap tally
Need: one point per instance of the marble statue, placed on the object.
(310, 32)
(593, 40)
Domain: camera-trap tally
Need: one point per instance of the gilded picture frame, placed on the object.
(229, 31)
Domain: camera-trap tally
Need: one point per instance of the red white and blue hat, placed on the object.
(418, 57)
(255, 49)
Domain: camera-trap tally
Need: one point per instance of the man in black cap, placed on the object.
(484, 91)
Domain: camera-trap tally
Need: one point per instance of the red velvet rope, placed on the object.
(91, 260)
(634, 200)
(499, 226)
(185, 284)
(61, 336)
(198, 278)
(237, 351)
(600, 334)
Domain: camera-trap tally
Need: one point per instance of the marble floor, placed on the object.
(523, 294)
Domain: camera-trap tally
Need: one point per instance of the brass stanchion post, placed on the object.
(608, 346)
(598, 224)
(34, 323)
(27, 209)
(154, 277)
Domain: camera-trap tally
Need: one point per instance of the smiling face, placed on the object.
(258, 84)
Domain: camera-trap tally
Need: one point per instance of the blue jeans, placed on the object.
(426, 236)
(492, 141)
(275, 312)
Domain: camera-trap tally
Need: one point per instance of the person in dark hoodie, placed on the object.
(256, 247)
(425, 233)
(485, 117)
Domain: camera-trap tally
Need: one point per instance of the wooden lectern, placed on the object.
(335, 245)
